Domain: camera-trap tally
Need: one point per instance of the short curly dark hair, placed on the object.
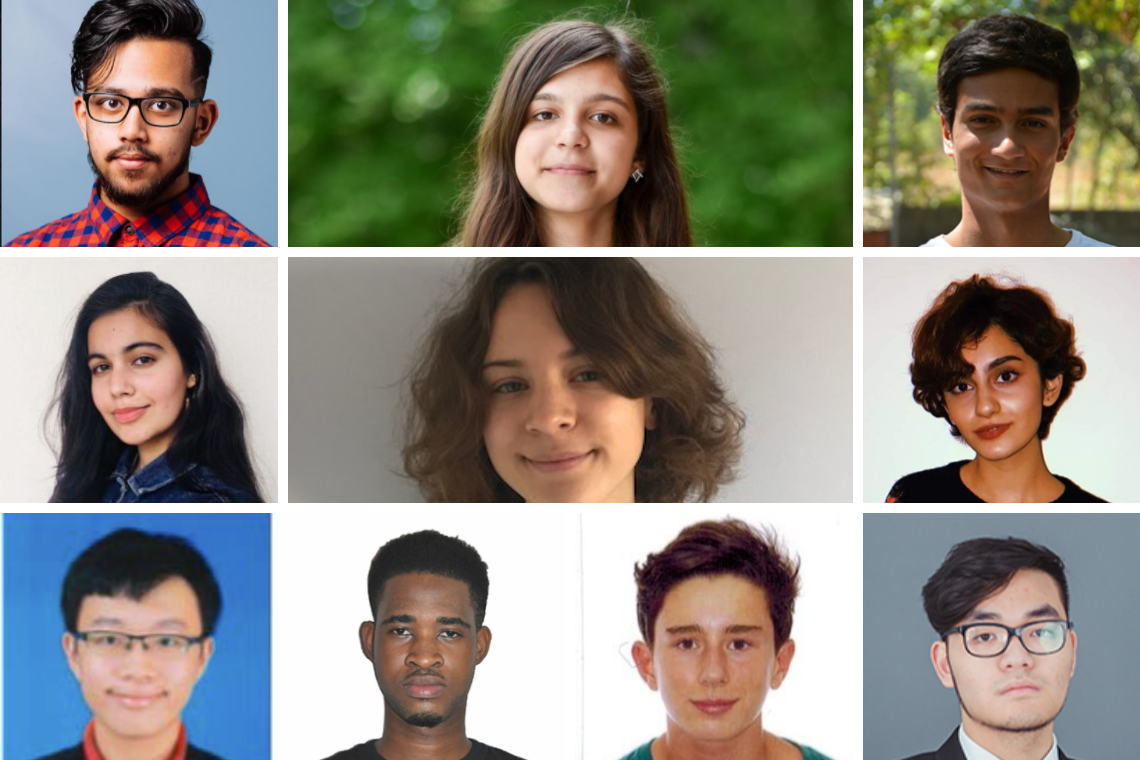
(725, 547)
(960, 317)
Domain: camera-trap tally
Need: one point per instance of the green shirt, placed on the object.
(643, 753)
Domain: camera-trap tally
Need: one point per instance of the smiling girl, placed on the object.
(144, 413)
(997, 363)
(575, 148)
(567, 380)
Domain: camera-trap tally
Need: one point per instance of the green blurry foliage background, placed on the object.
(385, 98)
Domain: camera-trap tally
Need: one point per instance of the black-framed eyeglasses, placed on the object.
(162, 111)
(992, 639)
(118, 644)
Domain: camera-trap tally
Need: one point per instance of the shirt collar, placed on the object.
(91, 752)
(162, 223)
(158, 474)
(974, 751)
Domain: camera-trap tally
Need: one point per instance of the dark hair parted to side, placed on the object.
(109, 23)
(211, 429)
(726, 547)
(616, 314)
(961, 315)
(430, 551)
(496, 210)
(132, 563)
(1001, 42)
(975, 570)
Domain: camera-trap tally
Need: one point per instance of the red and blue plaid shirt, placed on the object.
(186, 219)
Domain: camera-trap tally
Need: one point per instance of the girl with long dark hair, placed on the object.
(144, 413)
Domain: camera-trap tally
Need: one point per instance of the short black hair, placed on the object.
(132, 563)
(429, 551)
(1010, 41)
(977, 569)
(109, 23)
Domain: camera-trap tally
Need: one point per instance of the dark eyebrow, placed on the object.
(412, 619)
(1044, 611)
(1003, 360)
(683, 629)
(598, 97)
(132, 347)
(152, 92)
(453, 621)
(990, 107)
(398, 619)
(515, 363)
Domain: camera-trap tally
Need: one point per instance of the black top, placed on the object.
(367, 751)
(76, 753)
(952, 750)
(944, 485)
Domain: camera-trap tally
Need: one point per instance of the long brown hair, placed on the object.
(615, 313)
(495, 210)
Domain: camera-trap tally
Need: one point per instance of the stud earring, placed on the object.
(637, 175)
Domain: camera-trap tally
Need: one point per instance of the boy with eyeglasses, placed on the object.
(140, 611)
(1006, 646)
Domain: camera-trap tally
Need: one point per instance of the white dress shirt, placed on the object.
(974, 751)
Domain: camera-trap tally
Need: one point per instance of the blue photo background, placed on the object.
(44, 711)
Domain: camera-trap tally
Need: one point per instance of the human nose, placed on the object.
(551, 410)
(985, 400)
(1016, 654)
(714, 667)
(1007, 146)
(571, 134)
(135, 660)
(133, 128)
(424, 656)
(120, 383)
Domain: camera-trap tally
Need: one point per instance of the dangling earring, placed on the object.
(637, 175)
(187, 404)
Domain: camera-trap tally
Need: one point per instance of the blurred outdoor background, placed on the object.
(1096, 189)
(385, 98)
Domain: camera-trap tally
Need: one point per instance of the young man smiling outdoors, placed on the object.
(139, 71)
(1008, 88)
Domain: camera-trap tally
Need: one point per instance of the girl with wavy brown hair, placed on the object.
(996, 362)
(567, 380)
(574, 148)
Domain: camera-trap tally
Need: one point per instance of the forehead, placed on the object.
(170, 604)
(525, 318)
(1026, 591)
(119, 328)
(714, 601)
(585, 79)
(140, 64)
(427, 594)
(1008, 89)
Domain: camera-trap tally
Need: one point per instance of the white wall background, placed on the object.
(781, 327)
(1093, 440)
(236, 298)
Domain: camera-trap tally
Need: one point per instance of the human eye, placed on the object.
(161, 106)
(401, 631)
(686, 645)
(588, 376)
(982, 120)
(100, 368)
(106, 639)
(739, 645)
(1008, 375)
(604, 118)
(165, 642)
(958, 388)
(542, 116)
(143, 360)
(508, 387)
(450, 635)
(109, 102)
(982, 637)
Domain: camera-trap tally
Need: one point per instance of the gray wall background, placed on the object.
(906, 710)
(45, 174)
(781, 326)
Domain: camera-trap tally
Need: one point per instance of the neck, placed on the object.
(751, 744)
(153, 449)
(1029, 226)
(402, 741)
(1010, 745)
(1020, 478)
(587, 229)
(134, 213)
(113, 746)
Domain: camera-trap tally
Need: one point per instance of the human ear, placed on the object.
(940, 657)
(1066, 141)
(367, 628)
(207, 653)
(1053, 390)
(81, 115)
(191, 380)
(783, 662)
(947, 137)
(643, 658)
(482, 644)
(650, 414)
(69, 651)
(205, 118)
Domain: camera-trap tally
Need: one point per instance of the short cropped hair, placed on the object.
(109, 23)
(132, 563)
(430, 552)
(977, 569)
(960, 317)
(726, 547)
(1005, 41)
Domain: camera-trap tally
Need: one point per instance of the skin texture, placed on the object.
(424, 628)
(138, 68)
(1002, 210)
(551, 405)
(1006, 388)
(135, 365)
(141, 731)
(714, 640)
(573, 128)
(1014, 725)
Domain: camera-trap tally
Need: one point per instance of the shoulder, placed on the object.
(67, 230)
(204, 482)
(1074, 494)
(363, 751)
(481, 751)
(216, 227)
(1081, 240)
(924, 485)
(197, 753)
(641, 753)
(811, 754)
(71, 753)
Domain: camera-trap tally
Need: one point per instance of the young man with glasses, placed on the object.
(139, 70)
(1006, 646)
(139, 611)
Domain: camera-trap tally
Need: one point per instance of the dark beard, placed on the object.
(424, 720)
(144, 197)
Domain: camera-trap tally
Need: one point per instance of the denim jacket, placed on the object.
(158, 483)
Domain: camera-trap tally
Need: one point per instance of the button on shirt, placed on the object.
(188, 219)
(974, 751)
(159, 483)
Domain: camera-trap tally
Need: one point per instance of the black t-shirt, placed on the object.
(944, 485)
(367, 751)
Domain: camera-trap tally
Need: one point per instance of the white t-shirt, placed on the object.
(1079, 240)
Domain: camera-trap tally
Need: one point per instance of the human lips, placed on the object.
(1005, 171)
(134, 700)
(990, 432)
(559, 461)
(572, 170)
(129, 413)
(714, 706)
(423, 687)
(132, 159)
(1019, 687)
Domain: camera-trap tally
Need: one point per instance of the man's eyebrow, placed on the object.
(398, 619)
(132, 347)
(990, 107)
(598, 97)
(515, 363)
(150, 92)
(1045, 610)
(681, 630)
(982, 616)
(743, 629)
(453, 621)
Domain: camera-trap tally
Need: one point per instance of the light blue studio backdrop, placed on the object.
(45, 175)
(44, 711)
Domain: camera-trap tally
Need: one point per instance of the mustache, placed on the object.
(429, 673)
(127, 151)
